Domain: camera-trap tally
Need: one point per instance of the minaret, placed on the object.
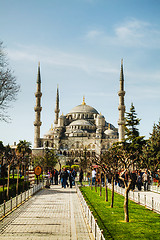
(37, 109)
(57, 110)
(121, 106)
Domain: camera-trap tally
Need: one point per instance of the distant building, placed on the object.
(82, 129)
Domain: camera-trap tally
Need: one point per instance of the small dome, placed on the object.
(49, 133)
(110, 132)
(62, 116)
(100, 116)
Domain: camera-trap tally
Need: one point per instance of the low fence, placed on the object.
(13, 203)
(139, 197)
(91, 221)
(154, 188)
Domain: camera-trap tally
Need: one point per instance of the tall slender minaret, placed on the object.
(57, 107)
(121, 106)
(37, 109)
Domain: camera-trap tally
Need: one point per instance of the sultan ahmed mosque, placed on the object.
(82, 128)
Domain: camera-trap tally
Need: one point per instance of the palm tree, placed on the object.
(23, 151)
(9, 156)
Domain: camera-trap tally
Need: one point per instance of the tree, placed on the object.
(110, 159)
(23, 151)
(151, 152)
(128, 152)
(50, 159)
(8, 85)
(37, 161)
(9, 156)
(84, 161)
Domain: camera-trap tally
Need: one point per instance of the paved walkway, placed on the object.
(150, 194)
(53, 213)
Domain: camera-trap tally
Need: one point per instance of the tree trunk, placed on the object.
(8, 182)
(106, 190)
(112, 199)
(91, 181)
(17, 179)
(126, 213)
(95, 185)
(13, 171)
(100, 187)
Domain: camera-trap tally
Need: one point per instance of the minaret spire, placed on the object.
(37, 109)
(121, 106)
(83, 103)
(57, 110)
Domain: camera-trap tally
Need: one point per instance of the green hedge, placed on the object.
(23, 186)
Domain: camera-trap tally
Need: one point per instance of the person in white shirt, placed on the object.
(93, 176)
(145, 180)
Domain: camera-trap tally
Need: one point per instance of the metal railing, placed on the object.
(142, 199)
(15, 202)
(91, 221)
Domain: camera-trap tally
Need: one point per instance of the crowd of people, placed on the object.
(67, 177)
(62, 176)
(139, 178)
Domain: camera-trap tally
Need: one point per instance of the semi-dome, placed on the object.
(80, 123)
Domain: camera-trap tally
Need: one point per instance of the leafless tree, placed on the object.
(8, 85)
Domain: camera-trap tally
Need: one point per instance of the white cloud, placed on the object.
(131, 33)
(93, 34)
(61, 59)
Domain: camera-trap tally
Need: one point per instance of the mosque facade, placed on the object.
(82, 129)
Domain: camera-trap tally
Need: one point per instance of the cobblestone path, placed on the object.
(53, 213)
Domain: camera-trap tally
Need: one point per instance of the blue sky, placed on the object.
(79, 44)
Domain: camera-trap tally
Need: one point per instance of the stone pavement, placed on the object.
(53, 213)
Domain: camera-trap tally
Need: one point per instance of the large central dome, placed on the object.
(83, 108)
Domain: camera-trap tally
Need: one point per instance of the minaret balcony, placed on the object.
(121, 122)
(57, 110)
(121, 108)
(37, 123)
(121, 93)
(38, 94)
(38, 109)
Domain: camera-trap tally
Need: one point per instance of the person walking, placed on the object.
(139, 181)
(56, 177)
(70, 178)
(74, 174)
(134, 180)
(93, 176)
(145, 180)
(81, 176)
(64, 176)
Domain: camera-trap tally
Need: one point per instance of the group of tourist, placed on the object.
(95, 176)
(139, 178)
(64, 175)
(53, 176)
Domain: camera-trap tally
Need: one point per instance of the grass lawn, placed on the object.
(144, 224)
